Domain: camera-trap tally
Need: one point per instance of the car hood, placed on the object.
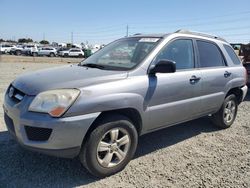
(70, 76)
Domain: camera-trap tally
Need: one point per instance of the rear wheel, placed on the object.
(65, 55)
(52, 55)
(110, 146)
(225, 117)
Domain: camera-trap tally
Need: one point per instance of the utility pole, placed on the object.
(127, 31)
(72, 37)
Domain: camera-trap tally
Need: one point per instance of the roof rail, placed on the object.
(199, 34)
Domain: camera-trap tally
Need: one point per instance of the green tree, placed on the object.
(24, 40)
(44, 42)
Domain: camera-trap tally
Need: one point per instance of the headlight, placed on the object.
(54, 102)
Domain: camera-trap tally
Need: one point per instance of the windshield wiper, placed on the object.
(92, 65)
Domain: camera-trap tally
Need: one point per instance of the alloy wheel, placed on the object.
(113, 147)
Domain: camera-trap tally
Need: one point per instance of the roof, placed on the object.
(181, 31)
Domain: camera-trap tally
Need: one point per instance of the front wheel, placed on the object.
(110, 146)
(225, 117)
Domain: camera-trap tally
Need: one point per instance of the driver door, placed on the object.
(175, 96)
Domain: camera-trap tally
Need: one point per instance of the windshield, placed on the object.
(123, 54)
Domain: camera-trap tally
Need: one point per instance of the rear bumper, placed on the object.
(244, 92)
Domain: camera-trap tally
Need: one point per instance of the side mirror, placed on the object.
(163, 66)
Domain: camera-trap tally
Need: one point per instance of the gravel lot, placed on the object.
(193, 154)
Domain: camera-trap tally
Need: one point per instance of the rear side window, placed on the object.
(232, 55)
(209, 55)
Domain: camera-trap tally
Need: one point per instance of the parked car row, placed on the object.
(34, 50)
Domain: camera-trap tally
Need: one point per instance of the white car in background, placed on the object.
(47, 51)
(5, 48)
(30, 49)
(17, 50)
(73, 52)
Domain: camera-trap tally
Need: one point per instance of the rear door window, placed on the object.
(209, 55)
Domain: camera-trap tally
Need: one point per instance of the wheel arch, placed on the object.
(130, 113)
(237, 92)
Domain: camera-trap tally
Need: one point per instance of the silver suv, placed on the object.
(97, 109)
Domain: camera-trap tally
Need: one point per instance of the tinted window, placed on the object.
(210, 55)
(180, 51)
(232, 55)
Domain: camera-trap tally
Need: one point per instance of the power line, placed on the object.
(227, 29)
(194, 19)
(191, 25)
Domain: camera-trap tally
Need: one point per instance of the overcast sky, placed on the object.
(103, 21)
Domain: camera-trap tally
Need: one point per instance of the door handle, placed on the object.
(227, 74)
(194, 79)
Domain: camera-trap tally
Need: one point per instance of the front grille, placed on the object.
(15, 94)
(37, 134)
(9, 123)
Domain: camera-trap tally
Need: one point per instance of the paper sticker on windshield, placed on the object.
(148, 39)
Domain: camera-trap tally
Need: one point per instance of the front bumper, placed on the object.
(65, 138)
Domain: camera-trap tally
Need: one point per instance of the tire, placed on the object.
(225, 117)
(52, 55)
(18, 52)
(65, 55)
(34, 54)
(94, 160)
(80, 55)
